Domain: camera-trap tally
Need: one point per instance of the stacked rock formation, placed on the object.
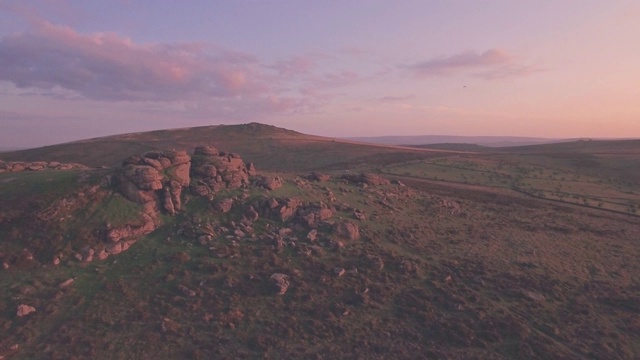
(156, 177)
(213, 170)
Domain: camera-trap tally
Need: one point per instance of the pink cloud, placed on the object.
(490, 64)
(107, 66)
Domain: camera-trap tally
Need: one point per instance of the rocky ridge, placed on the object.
(160, 181)
(19, 166)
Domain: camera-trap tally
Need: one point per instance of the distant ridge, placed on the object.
(274, 148)
(490, 141)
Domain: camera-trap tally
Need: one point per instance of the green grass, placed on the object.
(48, 183)
(529, 175)
(114, 209)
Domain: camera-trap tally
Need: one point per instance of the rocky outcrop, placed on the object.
(147, 222)
(281, 209)
(270, 182)
(314, 214)
(367, 179)
(213, 170)
(160, 176)
(156, 180)
(141, 178)
(316, 176)
(308, 214)
(17, 166)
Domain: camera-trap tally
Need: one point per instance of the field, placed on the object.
(535, 175)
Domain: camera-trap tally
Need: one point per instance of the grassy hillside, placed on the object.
(271, 148)
(527, 253)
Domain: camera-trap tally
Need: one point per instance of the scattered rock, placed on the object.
(13, 166)
(114, 249)
(316, 176)
(66, 283)
(169, 326)
(367, 179)
(24, 310)
(533, 295)
(251, 169)
(251, 214)
(407, 267)
(346, 230)
(224, 205)
(281, 282)
(270, 182)
(359, 215)
(312, 235)
(186, 291)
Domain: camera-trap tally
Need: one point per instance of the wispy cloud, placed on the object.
(490, 64)
(107, 66)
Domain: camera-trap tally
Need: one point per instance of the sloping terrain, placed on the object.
(272, 148)
(454, 256)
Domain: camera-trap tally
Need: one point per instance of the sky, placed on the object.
(72, 70)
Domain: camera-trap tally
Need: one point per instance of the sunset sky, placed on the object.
(77, 69)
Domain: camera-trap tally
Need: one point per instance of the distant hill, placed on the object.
(7, 149)
(254, 142)
(455, 147)
(491, 141)
(631, 147)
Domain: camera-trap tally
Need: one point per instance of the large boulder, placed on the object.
(141, 177)
(217, 170)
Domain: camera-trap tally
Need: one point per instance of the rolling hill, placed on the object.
(271, 147)
(513, 253)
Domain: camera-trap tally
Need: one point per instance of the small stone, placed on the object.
(186, 291)
(24, 310)
(66, 283)
(338, 271)
(280, 282)
(534, 296)
(312, 235)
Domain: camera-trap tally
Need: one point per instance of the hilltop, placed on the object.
(255, 142)
(187, 246)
